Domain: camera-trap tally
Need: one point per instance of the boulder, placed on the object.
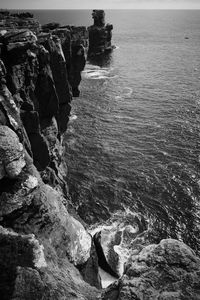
(169, 270)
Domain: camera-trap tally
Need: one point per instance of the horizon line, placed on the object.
(155, 8)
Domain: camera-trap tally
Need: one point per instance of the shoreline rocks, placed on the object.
(166, 271)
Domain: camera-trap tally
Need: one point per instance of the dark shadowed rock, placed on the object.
(78, 62)
(18, 20)
(50, 26)
(100, 35)
(99, 17)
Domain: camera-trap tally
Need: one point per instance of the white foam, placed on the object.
(73, 117)
(127, 92)
(95, 72)
(104, 77)
(92, 67)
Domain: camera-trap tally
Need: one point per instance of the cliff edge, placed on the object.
(46, 253)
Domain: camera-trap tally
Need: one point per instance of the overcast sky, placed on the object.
(105, 4)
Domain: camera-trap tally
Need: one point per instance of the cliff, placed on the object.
(45, 250)
(42, 245)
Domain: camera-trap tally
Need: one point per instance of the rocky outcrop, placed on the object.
(27, 274)
(19, 20)
(169, 270)
(74, 41)
(100, 35)
(46, 253)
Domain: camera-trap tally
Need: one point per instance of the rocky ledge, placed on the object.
(45, 250)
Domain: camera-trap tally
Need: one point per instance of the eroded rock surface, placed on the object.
(26, 274)
(11, 153)
(46, 253)
(169, 270)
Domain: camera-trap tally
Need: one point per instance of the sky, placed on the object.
(103, 4)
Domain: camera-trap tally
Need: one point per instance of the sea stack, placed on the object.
(100, 34)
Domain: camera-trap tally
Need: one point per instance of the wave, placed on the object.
(73, 117)
(129, 225)
(96, 72)
(105, 77)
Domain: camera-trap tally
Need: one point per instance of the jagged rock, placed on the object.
(39, 146)
(11, 153)
(100, 35)
(19, 20)
(99, 17)
(79, 36)
(27, 275)
(169, 270)
(10, 116)
(19, 35)
(15, 194)
(50, 26)
(90, 271)
(64, 33)
(60, 79)
(78, 62)
(35, 94)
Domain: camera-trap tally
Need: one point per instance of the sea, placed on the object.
(133, 141)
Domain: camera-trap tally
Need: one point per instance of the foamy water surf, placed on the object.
(117, 234)
(72, 118)
(96, 72)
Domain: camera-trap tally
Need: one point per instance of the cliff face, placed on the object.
(42, 246)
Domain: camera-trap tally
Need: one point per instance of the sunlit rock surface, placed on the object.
(11, 153)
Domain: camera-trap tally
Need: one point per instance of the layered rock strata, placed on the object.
(46, 253)
(100, 35)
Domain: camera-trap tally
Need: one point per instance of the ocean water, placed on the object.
(133, 140)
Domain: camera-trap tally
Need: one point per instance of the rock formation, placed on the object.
(100, 35)
(46, 253)
(169, 270)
